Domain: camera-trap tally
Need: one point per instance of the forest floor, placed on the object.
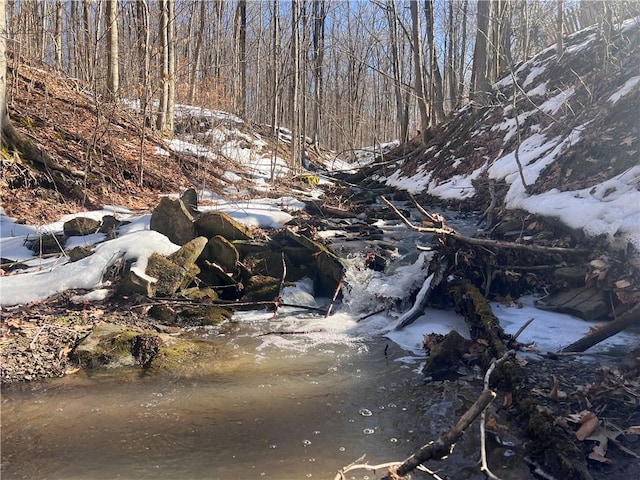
(97, 157)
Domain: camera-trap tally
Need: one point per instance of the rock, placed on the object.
(328, 268)
(113, 346)
(261, 289)
(175, 220)
(164, 314)
(80, 226)
(45, 244)
(189, 253)
(445, 358)
(170, 276)
(132, 283)
(197, 293)
(109, 226)
(190, 200)
(221, 251)
(206, 314)
(589, 303)
(106, 346)
(211, 224)
(78, 253)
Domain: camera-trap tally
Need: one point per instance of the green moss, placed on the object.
(181, 354)
(207, 314)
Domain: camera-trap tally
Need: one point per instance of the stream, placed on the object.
(271, 406)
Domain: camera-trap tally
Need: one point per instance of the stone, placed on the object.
(78, 253)
(206, 314)
(328, 267)
(445, 357)
(190, 200)
(261, 288)
(221, 251)
(45, 244)
(189, 252)
(109, 226)
(107, 345)
(163, 313)
(175, 220)
(211, 224)
(170, 276)
(79, 226)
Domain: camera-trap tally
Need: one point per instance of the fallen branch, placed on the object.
(615, 326)
(419, 306)
(335, 296)
(484, 242)
(442, 447)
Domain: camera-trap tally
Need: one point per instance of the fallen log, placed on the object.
(592, 338)
(483, 242)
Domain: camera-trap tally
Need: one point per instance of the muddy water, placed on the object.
(273, 414)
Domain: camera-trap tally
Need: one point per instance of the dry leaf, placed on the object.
(589, 425)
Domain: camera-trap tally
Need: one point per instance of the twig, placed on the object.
(371, 314)
(487, 376)
(335, 296)
(36, 336)
(521, 329)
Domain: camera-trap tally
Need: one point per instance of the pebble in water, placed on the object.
(368, 431)
(365, 412)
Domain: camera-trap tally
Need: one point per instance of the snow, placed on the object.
(555, 103)
(625, 89)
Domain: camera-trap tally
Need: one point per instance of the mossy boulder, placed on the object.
(78, 253)
(221, 251)
(175, 220)
(170, 277)
(114, 346)
(189, 252)
(80, 226)
(206, 315)
(261, 288)
(106, 346)
(445, 358)
(211, 224)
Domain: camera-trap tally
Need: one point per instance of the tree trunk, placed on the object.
(437, 94)
(275, 55)
(57, 43)
(421, 93)
(164, 65)
(171, 70)
(319, 15)
(195, 66)
(240, 35)
(479, 76)
(5, 123)
(295, 76)
(111, 31)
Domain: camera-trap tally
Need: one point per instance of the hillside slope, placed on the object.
(573, 126)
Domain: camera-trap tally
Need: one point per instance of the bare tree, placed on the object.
(111, 30)
(480, 84)
(420, 90)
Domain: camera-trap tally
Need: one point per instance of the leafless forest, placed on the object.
(342, 73)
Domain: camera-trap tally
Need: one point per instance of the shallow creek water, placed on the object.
(275, 414)
(269, 407)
